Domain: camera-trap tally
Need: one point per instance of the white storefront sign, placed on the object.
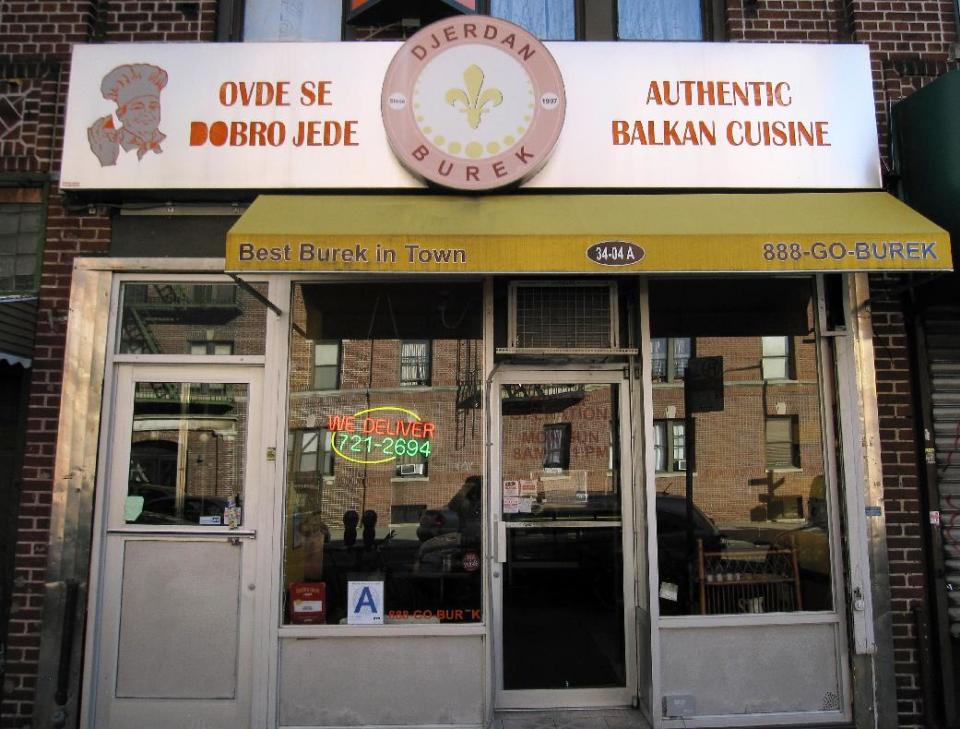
(308, 116)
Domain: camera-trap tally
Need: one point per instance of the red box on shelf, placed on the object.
(308, 602)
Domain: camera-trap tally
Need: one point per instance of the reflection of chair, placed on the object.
(757, 580)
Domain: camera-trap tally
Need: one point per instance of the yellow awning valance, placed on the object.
(586, 234)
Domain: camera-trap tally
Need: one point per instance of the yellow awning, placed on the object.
(588, 234)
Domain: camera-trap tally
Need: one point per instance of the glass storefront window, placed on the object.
(166, 317)
(187, 454)
(749, 533)
(384, 454)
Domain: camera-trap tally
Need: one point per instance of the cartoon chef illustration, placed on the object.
(136, 90)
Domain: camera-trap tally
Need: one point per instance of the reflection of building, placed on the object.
(438, 379)
(186, 447)
(759, 459)
(197, 319)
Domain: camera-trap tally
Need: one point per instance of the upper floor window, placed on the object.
(210, 347)
(556, 445)
(21, 235)
(635, 19)
(311, 452)
(292, 20)
(669, 358)
(415, 362)
(775, 362)
(326, 365)
(659, 20)
(669, 446)
(782, 440)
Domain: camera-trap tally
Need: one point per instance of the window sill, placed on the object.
(408, 479)
(785, 469)
(379, 631)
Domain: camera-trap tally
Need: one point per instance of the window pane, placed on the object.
(309, 441)
(775, 346)
(659, 20)
(326, 354)
(186, 453)
(681, 355)
(292, 20)
(326, 371)
(325, 378)
(679, 445)
(176, 317)
(759, 489)
(398, 495)
(774, 368)
(659, 445)
(20, 244)
(25, 265)
(415, 363)
(546, 19)
(776, 358)
(658, 362)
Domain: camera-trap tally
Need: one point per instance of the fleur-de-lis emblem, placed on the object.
(474, 101)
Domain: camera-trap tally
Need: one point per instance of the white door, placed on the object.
(563, 575)
(174, 633)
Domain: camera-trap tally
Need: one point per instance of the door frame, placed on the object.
(110, 535)
(552, 698)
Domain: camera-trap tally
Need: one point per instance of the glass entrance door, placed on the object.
(561, 581)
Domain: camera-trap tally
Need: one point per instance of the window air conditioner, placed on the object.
(563, 317)
(410, 469)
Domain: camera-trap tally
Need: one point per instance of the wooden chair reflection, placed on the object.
(761, 580)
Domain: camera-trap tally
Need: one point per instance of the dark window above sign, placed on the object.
(282, 20)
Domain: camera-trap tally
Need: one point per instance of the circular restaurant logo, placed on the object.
(473, 103)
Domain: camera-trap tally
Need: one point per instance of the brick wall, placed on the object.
(901, 490)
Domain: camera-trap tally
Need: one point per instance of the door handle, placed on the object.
(234, 537)
(501, 537)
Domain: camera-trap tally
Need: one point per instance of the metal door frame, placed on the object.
(556, 698)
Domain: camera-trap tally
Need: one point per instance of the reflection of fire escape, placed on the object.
(138, 339)
(521, 399)
(468, 389)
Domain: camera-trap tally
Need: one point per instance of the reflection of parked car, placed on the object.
(813, 558)
(159, 505)
(461, 514)
(672, 546)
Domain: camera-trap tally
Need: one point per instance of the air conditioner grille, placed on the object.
(563, 317)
